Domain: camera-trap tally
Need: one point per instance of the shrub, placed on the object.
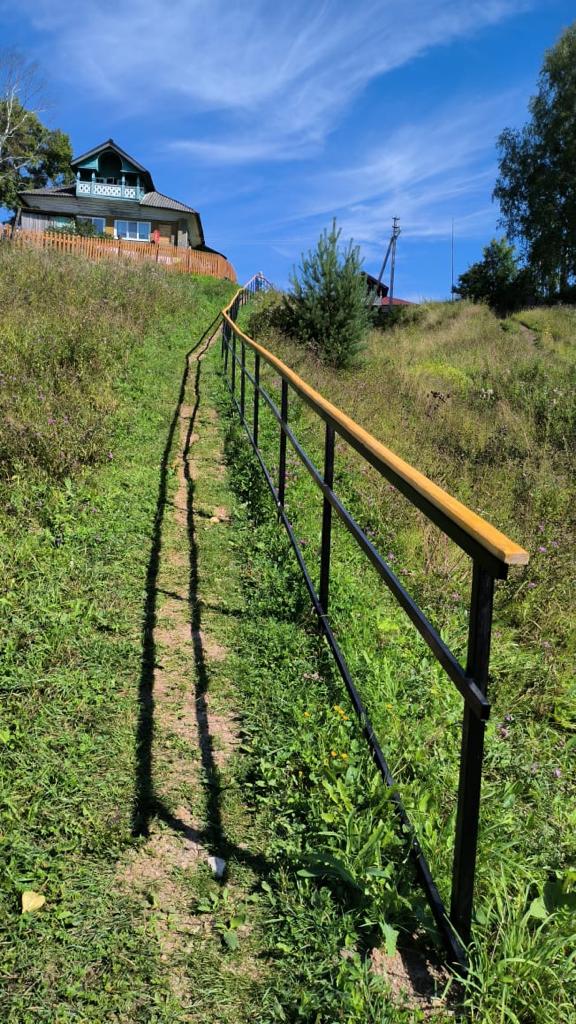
(327, 308)
(265, 314)
(497, 279)
(79, 228)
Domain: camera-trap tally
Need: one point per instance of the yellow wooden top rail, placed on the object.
(486, 535)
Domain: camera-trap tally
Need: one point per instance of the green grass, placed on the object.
(317, 872)
(485, 439)
(106, 348)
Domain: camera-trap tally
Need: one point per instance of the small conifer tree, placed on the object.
(328, 307)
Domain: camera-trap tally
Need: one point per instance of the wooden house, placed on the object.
(379, 292)
(118, 196)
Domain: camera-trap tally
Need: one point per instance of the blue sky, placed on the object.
(271, 119)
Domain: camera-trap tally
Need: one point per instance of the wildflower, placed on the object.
(306, 714)
(503, 732)
(531, 586)
(110, 455)
(542, 549)
(456, 596)
(333, 753)
(557, 773)
(344, 757)
(390, 707)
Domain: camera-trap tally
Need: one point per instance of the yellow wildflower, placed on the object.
(344, 757)
(334, 754)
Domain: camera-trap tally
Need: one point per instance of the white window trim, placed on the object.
(130, 220)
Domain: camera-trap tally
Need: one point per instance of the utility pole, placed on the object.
(452, 265)
(393, 240)
(390, 252)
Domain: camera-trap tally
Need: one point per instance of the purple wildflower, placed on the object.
(557, 773)
(542, 549)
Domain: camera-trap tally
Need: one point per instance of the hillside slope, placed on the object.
(487, 409)
(91, 359)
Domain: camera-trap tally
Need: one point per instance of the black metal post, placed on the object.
(256, 397)
(242, 377)
(472, 751)
(225, 342)
(233, 354)
(326, 518)
(282, 460)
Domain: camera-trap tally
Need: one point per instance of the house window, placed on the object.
(98, 223)
(135, 230)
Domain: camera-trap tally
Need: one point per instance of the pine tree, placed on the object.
(327, 308)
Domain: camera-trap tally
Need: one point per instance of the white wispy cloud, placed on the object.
(426, 172)
(282, 75)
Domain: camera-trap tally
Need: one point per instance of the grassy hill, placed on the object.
(91, 360)
(91, 365)
(486, 408)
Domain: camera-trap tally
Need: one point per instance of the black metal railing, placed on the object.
(491, 552)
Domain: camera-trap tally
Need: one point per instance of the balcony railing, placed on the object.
(101, 188)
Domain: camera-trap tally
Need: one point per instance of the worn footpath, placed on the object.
(188, 814)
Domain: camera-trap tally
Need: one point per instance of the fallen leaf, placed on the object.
(32, 901)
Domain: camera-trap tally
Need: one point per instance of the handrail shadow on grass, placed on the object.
(147, 804)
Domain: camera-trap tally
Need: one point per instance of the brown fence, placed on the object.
(182, 261)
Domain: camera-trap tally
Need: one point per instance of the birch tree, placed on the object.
(31, 155)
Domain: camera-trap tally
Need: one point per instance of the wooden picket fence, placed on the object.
(181, 261)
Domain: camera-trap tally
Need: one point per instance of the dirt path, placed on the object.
(187, 730)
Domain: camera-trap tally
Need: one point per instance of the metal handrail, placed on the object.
(415, 485)
(492, 553)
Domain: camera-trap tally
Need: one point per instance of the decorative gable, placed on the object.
(108, 171)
